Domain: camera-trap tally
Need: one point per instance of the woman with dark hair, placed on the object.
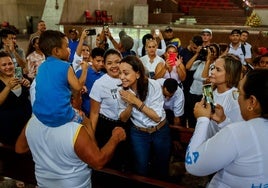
(142, 102)
(34, 57)
(238, 154)
(15, 106)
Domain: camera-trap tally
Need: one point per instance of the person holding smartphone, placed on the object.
(172, 67)
(14, 99)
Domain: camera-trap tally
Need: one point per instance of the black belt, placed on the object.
(106, 118)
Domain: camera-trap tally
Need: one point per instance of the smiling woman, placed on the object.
(14, 99)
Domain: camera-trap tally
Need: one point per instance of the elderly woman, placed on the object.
(238, 154)
(15, 106)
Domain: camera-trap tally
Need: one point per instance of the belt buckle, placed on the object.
(151, 130)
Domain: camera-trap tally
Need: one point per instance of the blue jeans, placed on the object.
(155, 146)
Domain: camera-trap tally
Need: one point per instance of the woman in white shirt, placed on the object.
(238, 154)
(151, 59)
(142, 102)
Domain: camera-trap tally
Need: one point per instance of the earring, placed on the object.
(249, 108)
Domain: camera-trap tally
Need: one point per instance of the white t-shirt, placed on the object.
(76, 62)
(238, 154)
(105, 91)
(56, 163)
(154, 100)
(176, 102)
(230, 107)
(151, 66)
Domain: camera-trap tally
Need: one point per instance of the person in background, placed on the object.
(172, 67)
(171, 39)
(101, 41)
(243, 38)
(236, 47)
(73, 42)
(160, 51)
(243, 143)
(94, 72)
(9, 45)
(56, 82)
(151, 59)
(206, 35)
(174, 100)
(69, 152)
(82, 53)
(261, 61)
(15, 106)
(41, 27)
(34, 57)
(127, 43)
(141, 101)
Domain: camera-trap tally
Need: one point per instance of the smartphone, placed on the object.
(91, 32)
(105, 28)
(208, 95)
(172, 58)
(157, 31)
(18, 73)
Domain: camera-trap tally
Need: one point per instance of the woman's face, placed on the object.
(7, 67)
(218, 73)
(111, 65)
(151, 47)
(127, 75)
(170, 50)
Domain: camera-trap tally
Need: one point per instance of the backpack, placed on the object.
(243, 49)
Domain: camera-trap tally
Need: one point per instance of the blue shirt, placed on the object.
(52, 104)
(92, 76)
(72, 45)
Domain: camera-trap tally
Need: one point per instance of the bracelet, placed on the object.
(141, 107)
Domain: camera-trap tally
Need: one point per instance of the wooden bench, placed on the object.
(21, 167)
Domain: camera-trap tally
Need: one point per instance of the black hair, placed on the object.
(31, 45)
(256, 84)
(4, 34)
(97, 52)
(111, 51)
(144, 38)
(137, 66)
(171, 85)
(244, 31)
(4, 54)
(50, 39)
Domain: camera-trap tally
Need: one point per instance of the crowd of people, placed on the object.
(112, 106)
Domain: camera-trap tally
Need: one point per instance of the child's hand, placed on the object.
(84, 65)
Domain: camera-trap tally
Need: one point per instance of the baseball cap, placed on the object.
(207, 31)
(168, 29)
(197, 40)
(236, 31)
(73, 31)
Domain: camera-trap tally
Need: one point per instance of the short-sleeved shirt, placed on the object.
(105, 91)
(154, 100)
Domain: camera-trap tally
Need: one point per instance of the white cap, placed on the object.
(207, 31)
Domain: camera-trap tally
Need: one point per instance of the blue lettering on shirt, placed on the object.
(190, 159)
(259, 185)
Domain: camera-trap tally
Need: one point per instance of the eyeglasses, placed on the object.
(235, 94)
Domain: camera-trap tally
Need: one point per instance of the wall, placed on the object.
(121, 10)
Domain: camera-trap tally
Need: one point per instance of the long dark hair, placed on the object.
(256, 84)
(137, 66)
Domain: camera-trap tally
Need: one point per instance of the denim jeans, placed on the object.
(154, 147)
